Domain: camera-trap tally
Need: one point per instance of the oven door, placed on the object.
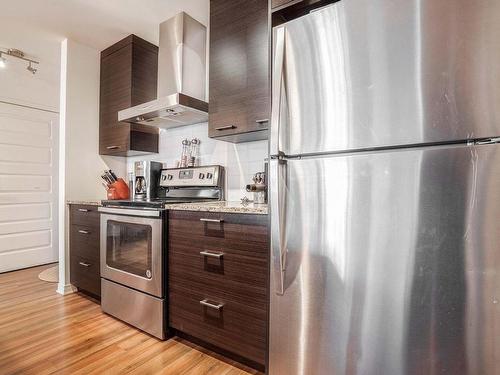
(131, 248)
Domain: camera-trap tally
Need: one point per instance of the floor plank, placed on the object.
(42, 332)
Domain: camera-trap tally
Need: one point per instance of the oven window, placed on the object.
(128, 247)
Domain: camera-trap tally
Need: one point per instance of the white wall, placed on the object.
(81, 165)
(84, 165)
(17, 85)
(241, 160)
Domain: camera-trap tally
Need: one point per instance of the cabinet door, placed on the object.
(116, 89)
(239, 68)
(128, 78)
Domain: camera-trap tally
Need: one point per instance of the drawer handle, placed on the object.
(83, 231)
(263, 121)
(221, 128)
(113, 147)
(211, 305)
(211, 220)
(84, 264)
(212, 254)
(83, 210)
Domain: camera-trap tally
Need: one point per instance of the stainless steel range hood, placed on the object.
(181, 77)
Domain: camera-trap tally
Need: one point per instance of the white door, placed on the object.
(28, 187)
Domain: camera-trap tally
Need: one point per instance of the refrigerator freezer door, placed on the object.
(392, 264)
(363, 73)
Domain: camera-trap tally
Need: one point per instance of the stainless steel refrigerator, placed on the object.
(385, 189)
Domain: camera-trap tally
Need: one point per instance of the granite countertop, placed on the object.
(223, 206)
(85, 202)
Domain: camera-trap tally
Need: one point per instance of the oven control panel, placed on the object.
(196, 176)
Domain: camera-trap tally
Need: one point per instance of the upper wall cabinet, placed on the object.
(129, 72)
(239, 107)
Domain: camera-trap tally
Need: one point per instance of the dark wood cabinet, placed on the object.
(84, 239)
(218, 280)
(129, 71)
(239, 106)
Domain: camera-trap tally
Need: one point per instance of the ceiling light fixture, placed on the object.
(31, 68)
(18, 54)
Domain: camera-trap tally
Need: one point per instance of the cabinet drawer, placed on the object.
(84, 241)
(246, 234)
(231, 327)
(242, 277)
(85, 274)
(86, 215)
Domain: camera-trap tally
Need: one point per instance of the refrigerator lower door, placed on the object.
(363, 74)
(386, 263)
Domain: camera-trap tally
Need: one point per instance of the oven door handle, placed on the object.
(130, 212)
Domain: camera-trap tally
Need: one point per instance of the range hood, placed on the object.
(181, 77)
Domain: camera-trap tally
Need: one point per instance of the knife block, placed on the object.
(118, 190)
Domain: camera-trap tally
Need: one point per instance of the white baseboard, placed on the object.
(65, 289)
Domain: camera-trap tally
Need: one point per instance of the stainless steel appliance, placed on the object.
(181, 77)
(146, 179)
(133, 246)
(385, 189)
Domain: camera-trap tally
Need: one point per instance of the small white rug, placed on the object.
(50, 275)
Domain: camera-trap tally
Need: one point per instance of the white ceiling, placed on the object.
(96, 23)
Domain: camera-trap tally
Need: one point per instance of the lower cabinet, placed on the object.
(218, 281)
(84, 248)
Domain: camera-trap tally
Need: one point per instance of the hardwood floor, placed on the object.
(42, 332)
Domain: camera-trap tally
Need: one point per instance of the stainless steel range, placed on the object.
(134, 251)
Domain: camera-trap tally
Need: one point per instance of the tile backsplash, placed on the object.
(240, 160)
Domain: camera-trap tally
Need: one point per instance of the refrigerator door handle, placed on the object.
(278, 211)
(276, 88)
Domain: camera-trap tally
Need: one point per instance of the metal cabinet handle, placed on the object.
(211, 305)
(83, 231)
(112, 147)
(84, 264)
(212, 254)
(83, 210)
(277, 87)
(225, 127)
(212, 220)
(278, 190)
(263, 121)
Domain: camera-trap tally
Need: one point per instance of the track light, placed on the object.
(31, 68)
(18, 54)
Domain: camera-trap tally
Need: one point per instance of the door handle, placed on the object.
(212, 254)
(276, 87)
(263, 121)
(221, 128)
(212, 220)
(112, 147)
(83, 231)
(206, 303)
(84, 264)
(83, 210)
(278, 225)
